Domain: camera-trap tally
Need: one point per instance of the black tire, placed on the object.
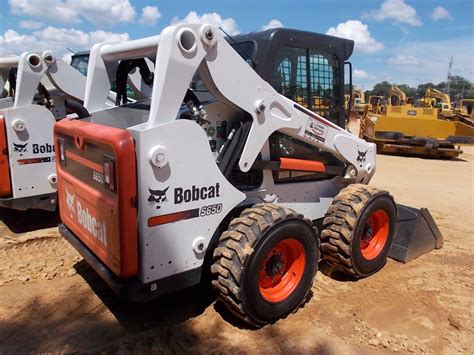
(244, 249)
(346, 227)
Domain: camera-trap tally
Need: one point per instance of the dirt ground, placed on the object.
(51, 301)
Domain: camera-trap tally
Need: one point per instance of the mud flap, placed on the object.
(417, 234)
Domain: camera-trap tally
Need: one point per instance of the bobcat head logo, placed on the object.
(361, 157)
(157, 197)
(70, 202)
(20, 148)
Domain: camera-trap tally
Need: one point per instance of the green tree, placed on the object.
(460, 87)
(379, 89)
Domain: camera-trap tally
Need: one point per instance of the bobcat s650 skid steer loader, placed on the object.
(155, 193)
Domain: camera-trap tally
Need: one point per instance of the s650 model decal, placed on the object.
(211, 209)
(182, 215)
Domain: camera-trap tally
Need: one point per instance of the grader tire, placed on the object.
(265, 264)
(358, 230)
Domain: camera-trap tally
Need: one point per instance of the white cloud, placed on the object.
(440, 13)
(404, 59)
(54, 39)
(150, 15)
(31, 24)
(14, 43)
(48, 9)
(272, 24)
(359, 33)
(433, 67)
(360, 74)
(104, 12)
(104, 36)
(228, 24)
(397, 11)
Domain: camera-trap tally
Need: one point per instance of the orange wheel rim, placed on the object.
(375, 234)
(281, 270)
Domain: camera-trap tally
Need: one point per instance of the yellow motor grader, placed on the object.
(441, 101)
(358, 99)
(405, 129)
(464, 108)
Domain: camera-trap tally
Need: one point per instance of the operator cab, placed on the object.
(80, 61)
(306, 67)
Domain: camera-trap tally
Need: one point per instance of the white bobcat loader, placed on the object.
(155, 193)
(42, 89)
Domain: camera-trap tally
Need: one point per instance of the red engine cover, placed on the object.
(104, 220)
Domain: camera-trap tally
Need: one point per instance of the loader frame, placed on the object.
(169, 149)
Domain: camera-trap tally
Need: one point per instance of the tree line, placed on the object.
(460, 88)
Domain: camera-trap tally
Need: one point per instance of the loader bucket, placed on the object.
(417, 234)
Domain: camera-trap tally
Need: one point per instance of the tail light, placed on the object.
(109, 173)
(62, 151)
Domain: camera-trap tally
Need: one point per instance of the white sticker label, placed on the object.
(315, 130)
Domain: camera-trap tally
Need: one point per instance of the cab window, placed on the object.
(80, 63)
(310, 78)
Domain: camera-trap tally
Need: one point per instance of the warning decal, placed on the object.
(316, 131)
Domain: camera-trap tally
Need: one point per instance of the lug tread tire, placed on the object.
(339, 226)
(236, 245)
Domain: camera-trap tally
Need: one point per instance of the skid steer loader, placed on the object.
(42, 89)
(155, 193)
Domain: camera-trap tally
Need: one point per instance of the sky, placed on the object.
(401, 41)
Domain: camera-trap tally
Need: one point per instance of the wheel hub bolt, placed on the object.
(369, 232)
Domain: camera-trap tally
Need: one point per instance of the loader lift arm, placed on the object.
(32, 67)
(182, 50)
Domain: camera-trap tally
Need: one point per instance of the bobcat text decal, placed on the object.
(42, 148)
(182, 195)
(87, 220)
(95, 227)
(196, 193)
